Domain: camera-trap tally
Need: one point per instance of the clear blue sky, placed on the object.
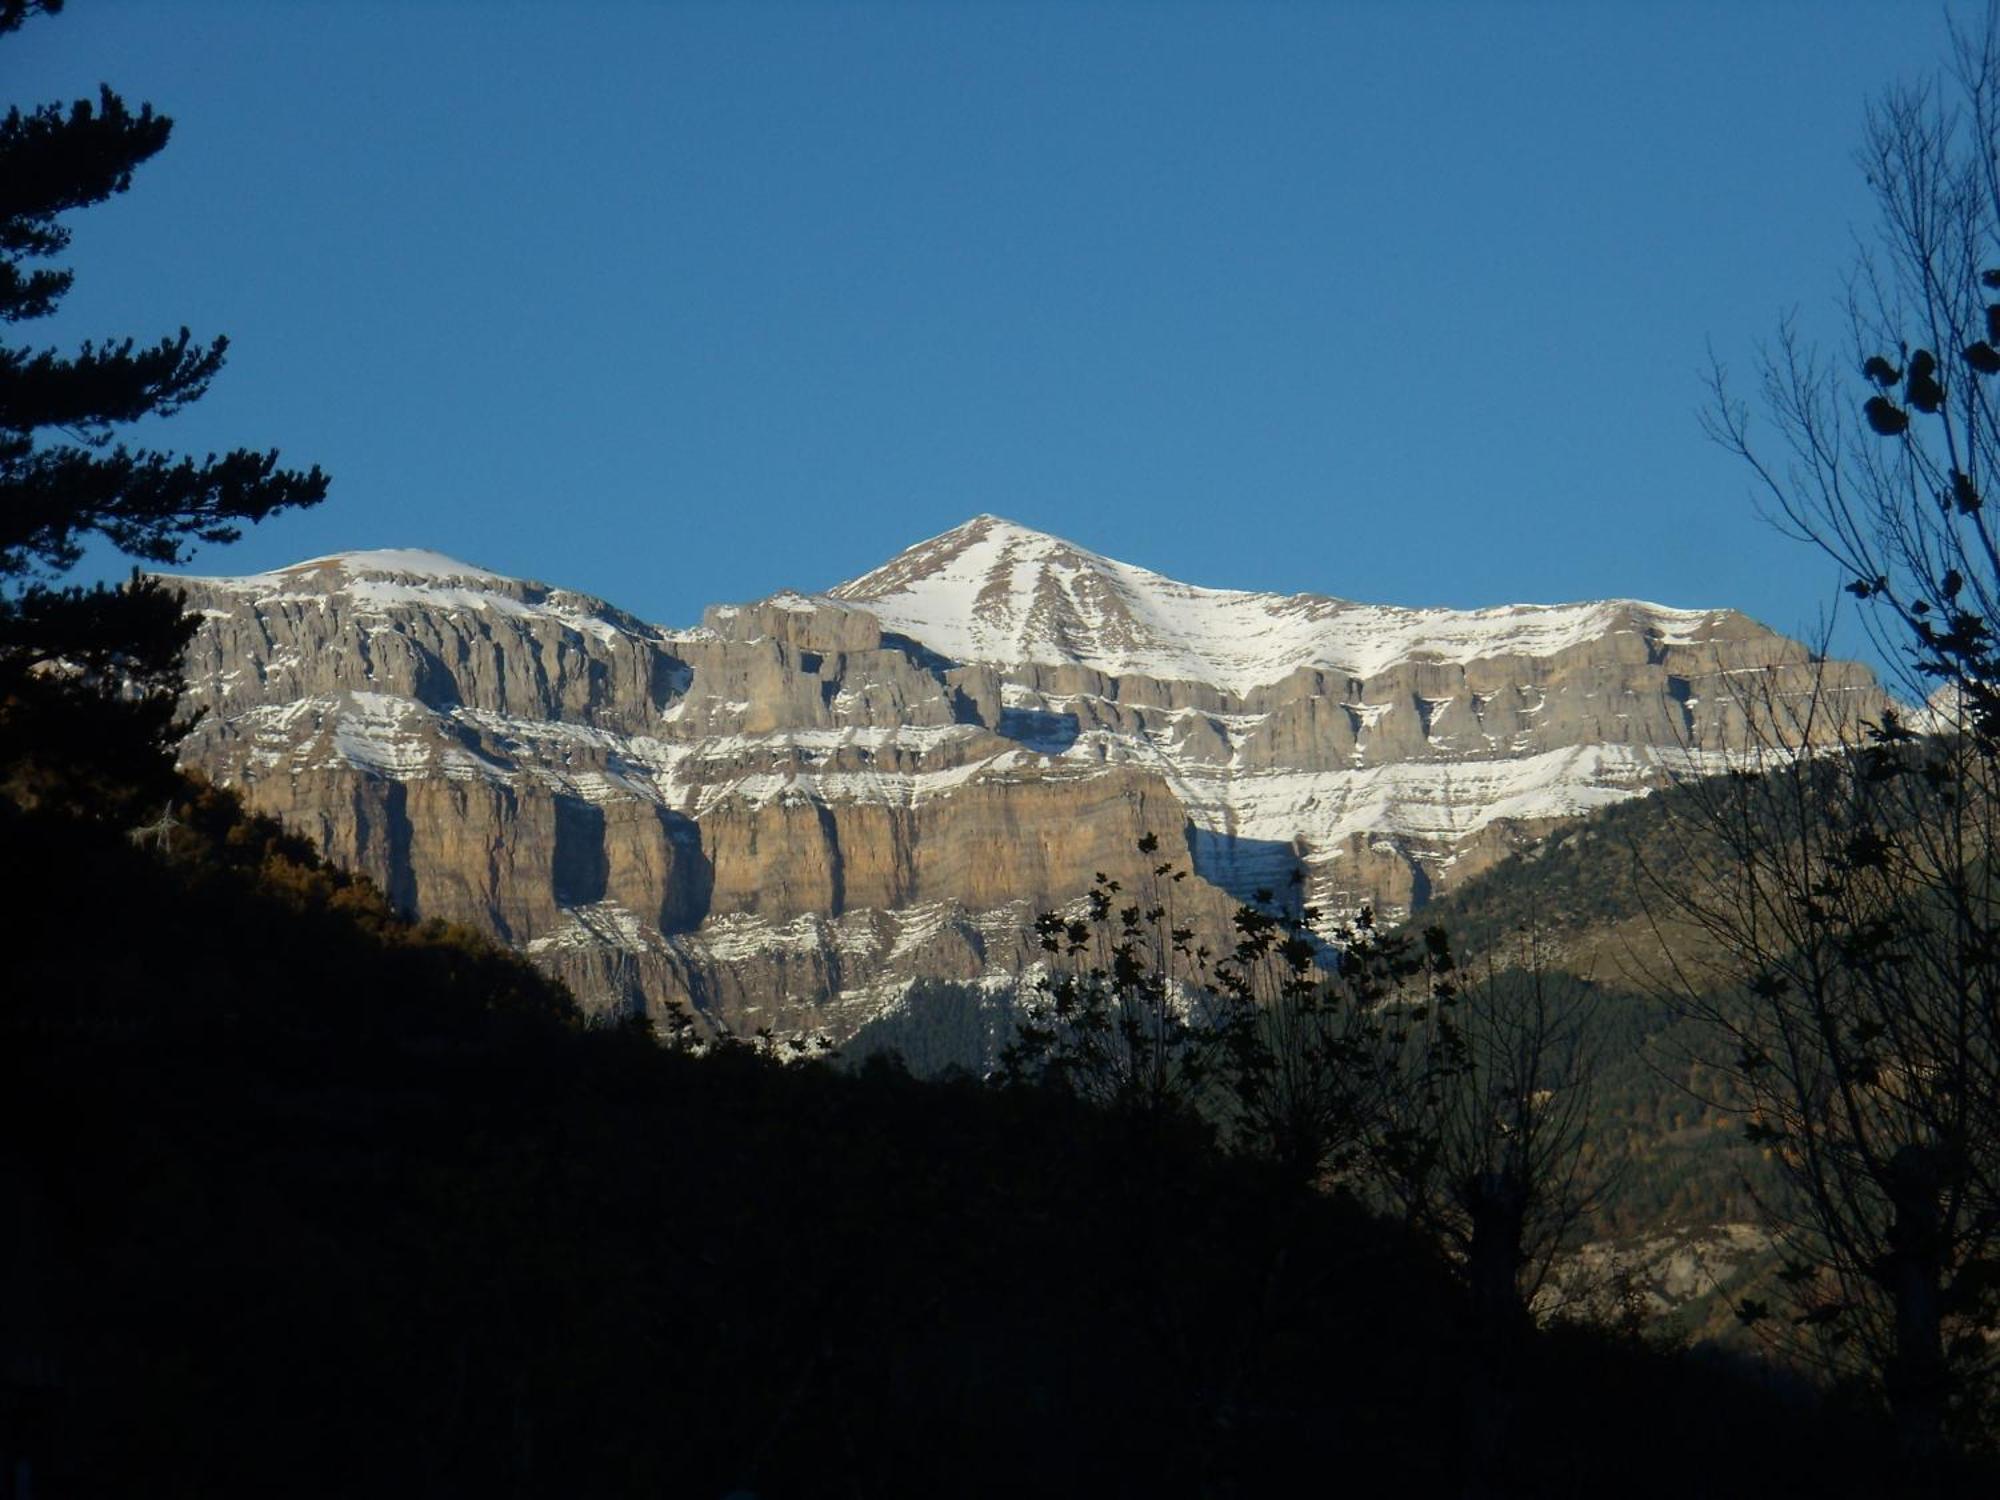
(679, 303)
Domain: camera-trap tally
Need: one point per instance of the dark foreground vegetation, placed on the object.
(304, 1199)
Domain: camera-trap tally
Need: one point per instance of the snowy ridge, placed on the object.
(992, 591)
(389, 578)
(404, 562)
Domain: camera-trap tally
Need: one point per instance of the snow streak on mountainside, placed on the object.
(792, 810)
(992, 591)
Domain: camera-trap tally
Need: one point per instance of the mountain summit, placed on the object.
(994, 591)
(789, 813)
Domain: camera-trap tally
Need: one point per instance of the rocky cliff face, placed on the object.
(785, 814)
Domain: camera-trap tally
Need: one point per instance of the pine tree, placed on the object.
(90, 677)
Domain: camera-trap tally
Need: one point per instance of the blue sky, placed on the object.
(1406, 303)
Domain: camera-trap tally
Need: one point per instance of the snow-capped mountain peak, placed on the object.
(994, 591)
(792, 806)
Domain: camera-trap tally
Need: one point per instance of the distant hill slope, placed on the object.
(1593, 894)
(1596, 889)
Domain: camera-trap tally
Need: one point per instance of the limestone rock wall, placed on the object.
(782, 815)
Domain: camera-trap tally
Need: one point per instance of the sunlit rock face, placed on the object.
(787, 813)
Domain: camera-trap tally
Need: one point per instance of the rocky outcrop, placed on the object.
(785, 814)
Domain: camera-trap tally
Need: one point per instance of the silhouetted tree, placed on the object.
(1898, 499)
(1834, 920)
(1855, 893)
(1288, 1044)
(89, 678)
(1127, 1015)
(1357, 1060)
(1343, 1032)
(1488, 1159)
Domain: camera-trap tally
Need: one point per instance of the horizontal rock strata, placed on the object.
(784, 815)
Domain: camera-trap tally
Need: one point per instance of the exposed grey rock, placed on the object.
(788, 812)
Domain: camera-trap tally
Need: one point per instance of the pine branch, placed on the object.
(146, 504)
(104, 384)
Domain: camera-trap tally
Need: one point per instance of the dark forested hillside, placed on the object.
(1586, 884)
(1592, 894)
(307, 1200)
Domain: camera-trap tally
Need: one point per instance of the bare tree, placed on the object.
(1850, 897)
(1490, 1160)
(1881, 456)
(1834, 919)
